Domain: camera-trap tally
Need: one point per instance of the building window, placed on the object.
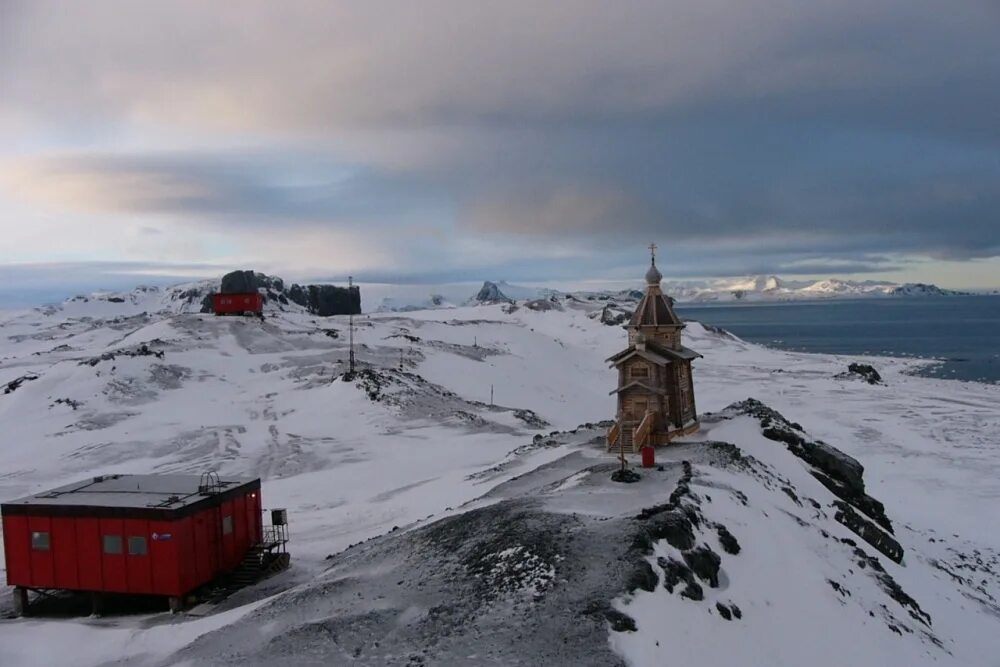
(639, 372)
(136, 545)
(112, 544)
(227, 525)
(40, 541)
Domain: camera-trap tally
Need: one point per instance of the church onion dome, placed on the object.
(653, 276)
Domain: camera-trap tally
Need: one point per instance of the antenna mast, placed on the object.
(350, 358)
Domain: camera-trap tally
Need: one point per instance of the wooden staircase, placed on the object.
(614, 433)
(643, 431)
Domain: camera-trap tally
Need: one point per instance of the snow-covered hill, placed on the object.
(465, 464)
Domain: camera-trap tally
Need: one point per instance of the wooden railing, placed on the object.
(641, 437)
(614, 433)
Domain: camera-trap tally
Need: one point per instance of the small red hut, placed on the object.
(244, 303)
(133, 534)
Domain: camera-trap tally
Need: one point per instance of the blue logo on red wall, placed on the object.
(161, 536)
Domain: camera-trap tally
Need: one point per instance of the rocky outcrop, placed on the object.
(843, 475)
(142, 350)
(12, 386)
(490, 293)
(613, 315)
(326, 300)
(864, 372)
(543, 305)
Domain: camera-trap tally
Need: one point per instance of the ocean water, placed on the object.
(962, 332)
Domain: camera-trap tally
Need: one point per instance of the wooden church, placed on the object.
(655, 386)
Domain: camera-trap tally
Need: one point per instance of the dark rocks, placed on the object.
(693, 591)
(843, 475)
(490, 293)
(868, 531)
(728, 542)
(298, 295)
(239, 282)
(543, 305)
(724, 611)
(141, 351)
(705, 563)
(326, 300)
(837, 464)
(642, 577)
(675, 527)
(676, 573)
(865, 372)
(892, 588)
(614, 316)
(115, 299)
(17, 382)
(530, 418)
(620, 622)
(625, 476)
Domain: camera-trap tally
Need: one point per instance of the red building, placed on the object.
(238, 304)
(134, 534)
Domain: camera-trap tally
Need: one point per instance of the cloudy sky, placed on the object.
(532, 141)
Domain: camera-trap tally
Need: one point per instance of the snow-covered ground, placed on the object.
(150, 386)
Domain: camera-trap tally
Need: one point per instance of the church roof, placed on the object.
(656, 353)
(655, 309)
(636, 383)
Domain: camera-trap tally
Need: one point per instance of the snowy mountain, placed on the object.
(452, 502)
(765, 288)
(772, 288)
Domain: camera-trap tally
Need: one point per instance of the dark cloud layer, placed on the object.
(761, 135)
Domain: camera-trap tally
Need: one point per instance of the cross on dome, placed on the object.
(653, 276)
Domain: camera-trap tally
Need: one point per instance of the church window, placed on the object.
(640, 371)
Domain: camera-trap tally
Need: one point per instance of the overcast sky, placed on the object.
(530, 141)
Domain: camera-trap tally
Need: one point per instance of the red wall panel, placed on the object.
(64, 553)
(88, 553)
(184, 553)
(17, 550)
(204, 546)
